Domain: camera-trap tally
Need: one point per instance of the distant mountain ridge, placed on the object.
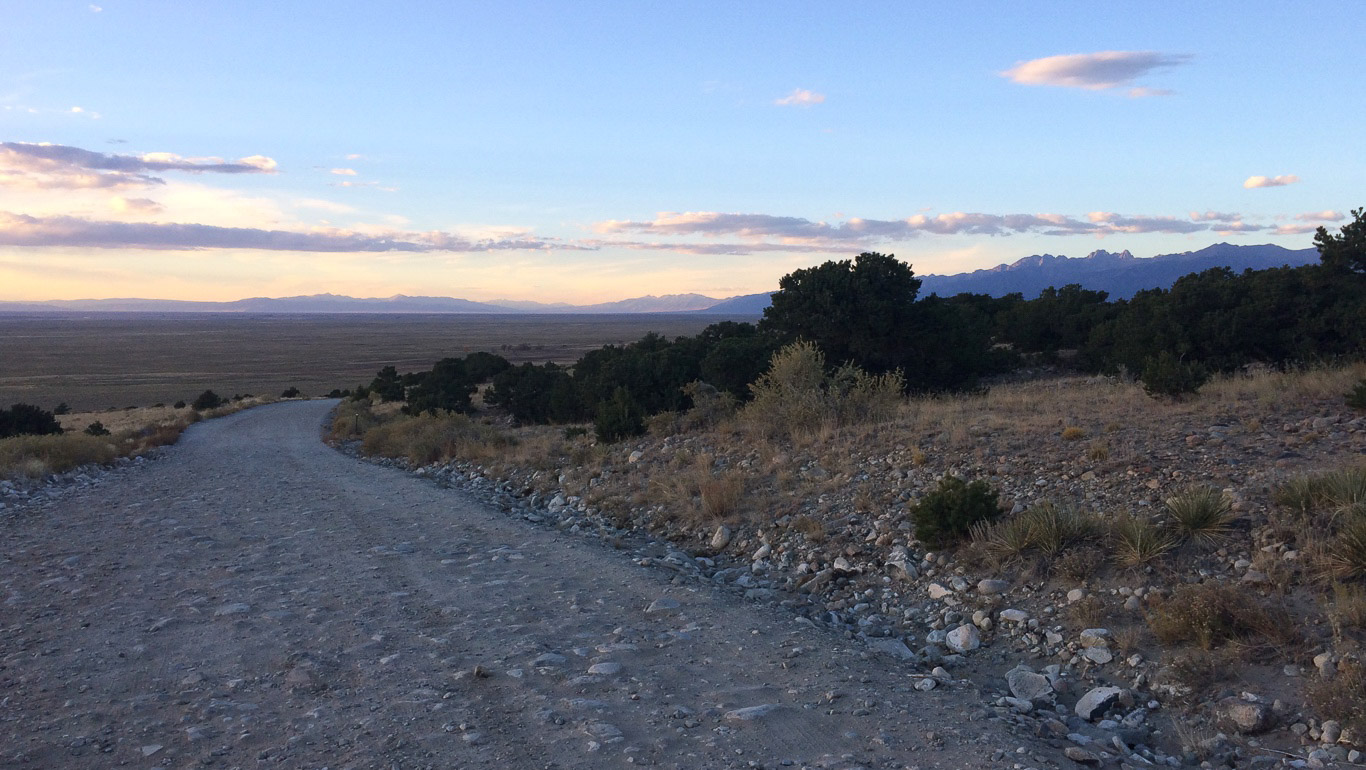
(1121, 274)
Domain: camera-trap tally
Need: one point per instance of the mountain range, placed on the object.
(1121, 274)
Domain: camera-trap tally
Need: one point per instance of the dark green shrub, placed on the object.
(388, 384)
(1167, 375)
(447, 387)
(574, 431)
(207, 400)
(619, 418)
(62, 408)
(178, 405)
(292, 392)
(482, 367)
(27, 419)
(1357, 397)
(945, 515)
(96, 428)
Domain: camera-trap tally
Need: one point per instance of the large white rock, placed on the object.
(963, 638)
(1096, 702)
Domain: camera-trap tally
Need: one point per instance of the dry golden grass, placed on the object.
(35, 456)
(427, 438)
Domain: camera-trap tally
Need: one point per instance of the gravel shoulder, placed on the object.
(255, 598)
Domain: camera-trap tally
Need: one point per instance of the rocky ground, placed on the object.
(821, 531)
(253, 598)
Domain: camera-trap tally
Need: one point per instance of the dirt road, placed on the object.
(257, 599)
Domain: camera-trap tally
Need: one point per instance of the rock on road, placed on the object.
(258, 599)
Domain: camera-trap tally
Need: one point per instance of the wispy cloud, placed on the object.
(1321, 216)
(344, 171)
(70, 231)
(61, 166)
(767, 232)
(1095, 71)
(1143, 92)
(1270, 181)
(801, 97)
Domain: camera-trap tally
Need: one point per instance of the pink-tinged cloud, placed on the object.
(1143, 92)
(1294, 229)
(800, 97)
(25, 230)
(1270, 181)
(144, 206)
(767, 232)
(344, 171)
(1214, 216)
(1321, 216)
(1094, 71)
(63, 167)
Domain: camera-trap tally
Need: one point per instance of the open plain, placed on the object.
(114, 360)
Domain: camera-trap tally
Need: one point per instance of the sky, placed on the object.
(594, 151)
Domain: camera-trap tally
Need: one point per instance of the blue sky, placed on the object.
(595, 151)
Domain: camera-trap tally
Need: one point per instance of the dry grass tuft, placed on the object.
(1342, 697)
(1210, 615)
(721, 494)
(810, 528)
(1073, 433)
(1347, 610)
(1088, 612)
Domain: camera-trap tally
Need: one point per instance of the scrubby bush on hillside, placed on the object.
(796, 396)
(96, 428)
(947, 514)
(1167, 375)
(27, 420)
(291, 392)
(619, 418)
(207, 400)
(1357, 397)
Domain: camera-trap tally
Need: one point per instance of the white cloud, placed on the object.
(355, 156)
(95, 8)
(60, 166)
(344, 171)
(1270, 181)
(1094, 71)
(801, 97)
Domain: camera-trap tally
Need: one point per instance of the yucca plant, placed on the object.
(1202, 514)
(1138, 540)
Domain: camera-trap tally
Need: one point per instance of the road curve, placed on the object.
(257, 599)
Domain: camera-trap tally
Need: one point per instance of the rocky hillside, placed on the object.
(1131, 640)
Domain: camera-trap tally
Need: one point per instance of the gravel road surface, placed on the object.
(257, 599)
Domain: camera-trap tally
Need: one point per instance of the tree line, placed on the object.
(867, 311)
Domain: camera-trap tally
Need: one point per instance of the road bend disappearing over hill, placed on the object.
(258, 599)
